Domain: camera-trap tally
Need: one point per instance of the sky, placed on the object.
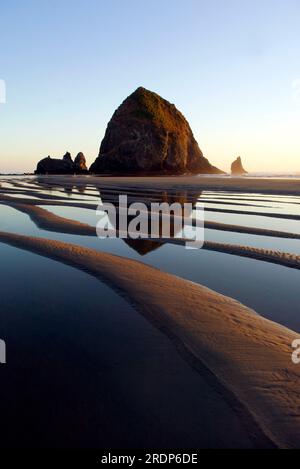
(232, 67)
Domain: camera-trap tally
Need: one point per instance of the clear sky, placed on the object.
(231, 66)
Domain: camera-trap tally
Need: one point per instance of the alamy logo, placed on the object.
(158, 221)
(296, 353)
(2, 352)
(2, 92)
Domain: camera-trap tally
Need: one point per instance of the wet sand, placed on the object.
(245, 357)
(248, 355)
(46, 220)
(244, 184)
(88, 373)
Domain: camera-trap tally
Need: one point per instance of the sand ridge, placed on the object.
(41, 215)
(49, 221)
(249, 355)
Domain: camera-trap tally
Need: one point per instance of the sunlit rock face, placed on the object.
(147, 134)
(80, 163)
(237, 168)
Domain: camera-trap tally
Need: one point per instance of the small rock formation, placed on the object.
(147, 134)
(68, 158)
(55, 166)
(80, 163)
(237, 168)
(64, 166)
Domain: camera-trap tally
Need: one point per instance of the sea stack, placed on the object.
(55, 166)
(68, 158)
(80, 163)
(148, 135)
(62, 166)
(237, 168)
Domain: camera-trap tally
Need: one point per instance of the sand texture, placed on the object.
(249, 355)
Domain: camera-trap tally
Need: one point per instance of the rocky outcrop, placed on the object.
(80, 163)
(147, 134)
(237, 168)
(54, 166)
(68, 159)
(64, 166)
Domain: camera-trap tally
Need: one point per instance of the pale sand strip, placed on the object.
(49, 221)
(250, 230)
(249, 355)
(283, 216)
(285, 259)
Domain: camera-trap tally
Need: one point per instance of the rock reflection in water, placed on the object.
(145, 244)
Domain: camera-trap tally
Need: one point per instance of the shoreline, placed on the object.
(52, 200)
(208, 183)
(252, 365)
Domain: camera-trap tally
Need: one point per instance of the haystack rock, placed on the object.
(80, 163)
(237, 168)
(147, 134)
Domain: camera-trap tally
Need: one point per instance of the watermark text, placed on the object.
(2, 352)
(161, 221)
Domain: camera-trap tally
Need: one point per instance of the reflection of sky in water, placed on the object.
(267, 242)
(79, 214)
(237, 219)
(282, 209)
(255, 221)
(22, 196)
(74, 195)
(265, 198)
(287, 245)
(90, 356)
(255, 195)
(267, 288)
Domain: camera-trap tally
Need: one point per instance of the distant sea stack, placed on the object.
(80, 163)
(147, 134)
(237, 168)
(62, 166)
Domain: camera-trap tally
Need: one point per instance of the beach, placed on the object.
(149, 229)
(241, 353)
(239, 184)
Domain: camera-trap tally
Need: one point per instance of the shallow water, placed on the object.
(282, 244)
(268, 223)
(257, 284)
(83, 360)
(83, 365)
